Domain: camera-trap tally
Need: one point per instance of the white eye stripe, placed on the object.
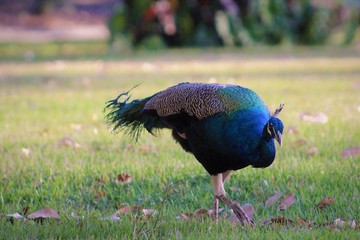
(268, 129)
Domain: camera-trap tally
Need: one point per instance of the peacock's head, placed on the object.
(274, 127)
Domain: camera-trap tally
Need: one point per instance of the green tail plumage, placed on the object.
(127, 116)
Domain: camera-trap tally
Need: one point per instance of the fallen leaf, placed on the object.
(127, 209)
(212, 212)
(44, 213)
(312, 151)
(351, 152)
(292, 130)
(200, 211)
(148, 212)
(300, 142)
(68, 142)
(273, 199)
(183, 216)
(100, 194)
(75, 216)
(352, 224)
(15, 215)
(339, 223)
(303, 222)
(278, 220)
(287, 201)
(25, 152)
(199, 214)
(123, 178)
(325, 202)
(249, 210)
(314, 118)
(145, 149)
(12, 216)
(113, 217)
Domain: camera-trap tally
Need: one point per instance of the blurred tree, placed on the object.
(194, 22)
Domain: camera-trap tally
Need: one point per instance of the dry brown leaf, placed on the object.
(292, 130)
(199, 214)
(314, 118)
(211, 211)
(44, 213)
(100, 194)
(128, 209)
(287, 201)
(249, 210)
(273, 199)
(278, 220)
(300, 142)
(351, 152)
(200, 211)
(325, 202)
(145, 149)
(68, 142)
(303, 222)
(123, 178)
(312, 151)
(148, 212)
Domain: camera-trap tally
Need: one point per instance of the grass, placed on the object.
(43, 101)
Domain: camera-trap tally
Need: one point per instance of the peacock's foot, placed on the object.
(241, 215)
(238, 211)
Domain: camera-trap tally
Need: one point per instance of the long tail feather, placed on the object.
(127, 116)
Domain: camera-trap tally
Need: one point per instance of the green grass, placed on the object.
(46, 100)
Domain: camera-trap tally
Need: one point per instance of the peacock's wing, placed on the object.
(202, 100)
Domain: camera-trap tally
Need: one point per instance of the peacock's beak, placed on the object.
(278, 138)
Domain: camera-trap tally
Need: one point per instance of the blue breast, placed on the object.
(229, 141)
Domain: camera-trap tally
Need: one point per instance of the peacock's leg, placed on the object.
(217, 182)
(215, 215)
(224, 177)
(218, 186)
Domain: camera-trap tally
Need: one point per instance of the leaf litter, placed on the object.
(123, 178)
(314, 118)
(45, 213)
(273, 199)
(351, 152)
(325, 202)
(287, 202)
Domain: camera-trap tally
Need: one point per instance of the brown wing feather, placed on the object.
(195, 99)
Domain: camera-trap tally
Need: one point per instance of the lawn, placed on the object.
(57, 152)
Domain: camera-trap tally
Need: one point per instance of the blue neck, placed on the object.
(267, 152)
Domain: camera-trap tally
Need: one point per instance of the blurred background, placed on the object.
(123, 25)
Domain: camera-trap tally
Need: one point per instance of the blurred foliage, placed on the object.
(233, 22)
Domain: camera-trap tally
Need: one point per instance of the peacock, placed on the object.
(226, 127)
